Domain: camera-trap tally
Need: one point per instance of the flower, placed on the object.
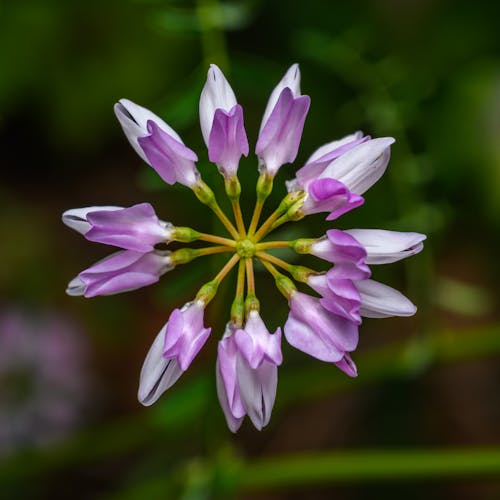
(157, 144)
(172, 351)
(221, 120)
(135, 228)
(331, 181)
(121, 272)
(247, 372)
(282, 123)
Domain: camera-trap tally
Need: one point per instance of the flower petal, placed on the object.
(233, 422)
(172, 160)
(384, 247)
(347, 365)
(76, 218)
(157, 373)
(382, 301)
(257, 390)
(362, 166)
(228, 140)
(279, 138)
(133, 119)
(134, 228)
(290, 80)
(318, 332)
(216, 94)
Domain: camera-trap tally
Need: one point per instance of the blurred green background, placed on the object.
(422, 417)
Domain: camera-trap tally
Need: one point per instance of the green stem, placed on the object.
(238, 217)
(227, 267)
(275, 260)
(267, 225)
(263, 189)
(203, 192)
(250, 277)
(212, 238)
(272, 244)
(238, 307)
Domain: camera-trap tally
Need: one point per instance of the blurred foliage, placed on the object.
(427, 73)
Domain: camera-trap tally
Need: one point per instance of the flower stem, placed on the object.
(259, 204)
(264, 189)
(207, 197)
(224, 219)
(216, 239)
(275, 260)
(269, 267)
(250, 277)
(285, 285)
(227, 267)
(238, 217)
(267, 225)
(272, 244)
(211, 250)
(238, 307)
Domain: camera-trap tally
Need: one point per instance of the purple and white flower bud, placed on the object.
(185, 334)
(173, 350)
(259, 355)
(362, 166)
(157, 144)
(324, 155)
(318, 332)
(384, 247)
(227, 382)
(76, 218)
(343, 250)
(382, 301)
(157, 374)
(121, 272)
(282, 123)
(221, 120)
(135, 228)
(339, 296)
(329, 195)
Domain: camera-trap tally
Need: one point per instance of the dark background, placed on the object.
(425, 72)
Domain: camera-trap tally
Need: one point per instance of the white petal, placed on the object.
(217, 93)
(76, 287)
(382, 301)
(290, 80)
(384, 247)
(76, 218)
(362, 166)
(257, 390)
(133, 119)
(326, 148)
(157, 373)
(232, 422)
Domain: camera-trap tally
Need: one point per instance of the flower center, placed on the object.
(245, 248)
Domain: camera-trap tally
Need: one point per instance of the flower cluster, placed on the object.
(332, 181)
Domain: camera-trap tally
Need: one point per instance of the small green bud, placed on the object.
(204, 193)
(302, 245)
(233, 187)
(251, 303)
(184, 234)
(295, 213)
(290, 200)
(183, 256)
(264, 186)
(238, 311)
(301, 273)
(285, 285)
(207, 292)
